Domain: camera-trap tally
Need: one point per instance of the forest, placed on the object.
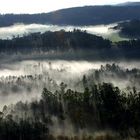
(57, 41)
(71, 74)
(76, 44)
(129, 28)
(87, 108)
(76, 16)
(104, 107)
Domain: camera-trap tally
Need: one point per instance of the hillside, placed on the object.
(69, 45)
(88, 15)
(129, 4)
(129, 28)
(59, 40)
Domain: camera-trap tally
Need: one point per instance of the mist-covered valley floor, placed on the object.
(24, 80)
(57, 86)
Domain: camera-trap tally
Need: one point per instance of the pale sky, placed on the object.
(39, 6)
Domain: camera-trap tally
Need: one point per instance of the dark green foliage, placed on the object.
(69, 45)
(129, 49)
(54, 41)
(24, 130)
(102, 107)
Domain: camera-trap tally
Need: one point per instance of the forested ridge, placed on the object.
(58, 40)
(129, 28)
(72, 44)
(88, 15)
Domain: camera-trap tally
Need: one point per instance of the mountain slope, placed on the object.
(129, 28)
(89, 15)
(129, 4)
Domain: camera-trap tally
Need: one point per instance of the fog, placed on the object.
(24, 80)
(29, 67)
(22, 29)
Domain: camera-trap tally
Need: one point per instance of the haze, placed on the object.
(39, 6)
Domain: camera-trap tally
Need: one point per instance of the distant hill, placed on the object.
(129, 4)
(129, 28)
(59, 40)
(76, 44)
(88, 15)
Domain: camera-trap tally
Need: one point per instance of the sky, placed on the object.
(39, 6)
